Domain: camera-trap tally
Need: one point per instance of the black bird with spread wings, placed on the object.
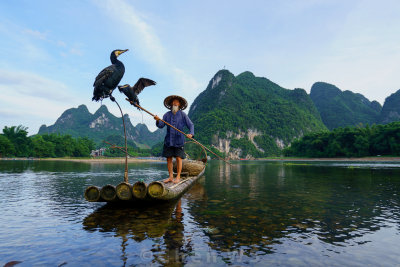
(132, 92)
(108, 79)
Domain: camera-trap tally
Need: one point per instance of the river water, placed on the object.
(253, 213)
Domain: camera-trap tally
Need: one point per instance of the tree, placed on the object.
(83, 147)
(64, 144)
(42, 148)
(6, 147)
(18, 135)
(349, 142)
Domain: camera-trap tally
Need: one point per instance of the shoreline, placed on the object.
(137, 160)
(88, 160)
(364, 159)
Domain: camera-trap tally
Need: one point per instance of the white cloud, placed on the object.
(32, 100)
(35, 34)
(26, 84)
(76, 51)
(149, 44)
(61, 43)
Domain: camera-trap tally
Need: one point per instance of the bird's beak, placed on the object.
(122, 51)
(123, 86)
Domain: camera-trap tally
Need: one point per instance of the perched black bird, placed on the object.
(108, 78)
(132, 92)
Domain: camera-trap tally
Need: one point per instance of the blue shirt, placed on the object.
(179, 120)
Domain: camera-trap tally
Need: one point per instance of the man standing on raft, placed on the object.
(174, 140)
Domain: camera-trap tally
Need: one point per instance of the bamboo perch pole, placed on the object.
(194, 140)
(126, 180)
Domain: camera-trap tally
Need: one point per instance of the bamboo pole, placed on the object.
(162, 191)
(126, 180)
(191, 138)
(139, 190)
(124, 191)
(92, 194)
(108, 193)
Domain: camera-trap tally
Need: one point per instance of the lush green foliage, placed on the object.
(15, 142)
(343, 108)
(54, 145)
(18, 136)
(349, 142)
(246, 146)
(7, 148)
(235, 104)
(268, 144)
(157, 149)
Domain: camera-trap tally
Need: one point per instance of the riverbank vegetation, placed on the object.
(365, 141)
(15, 142)
(375, 140)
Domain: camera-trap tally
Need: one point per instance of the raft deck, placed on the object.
(156, 191)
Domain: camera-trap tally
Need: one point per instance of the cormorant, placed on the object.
(132, 92)
(108, 79)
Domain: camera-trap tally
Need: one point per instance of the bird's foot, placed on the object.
(112, 98)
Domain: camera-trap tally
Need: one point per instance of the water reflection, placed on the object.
(141, 223)
(283, 213)
(259, 206)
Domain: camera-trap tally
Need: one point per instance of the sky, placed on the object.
(51, 51)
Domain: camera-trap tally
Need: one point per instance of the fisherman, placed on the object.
(174, 140)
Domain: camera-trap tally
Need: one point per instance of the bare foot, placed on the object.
(168, 180)
(177, 180)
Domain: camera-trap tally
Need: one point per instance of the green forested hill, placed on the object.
(248, 116)
(391, 109)
(343, 108)
(102, 125)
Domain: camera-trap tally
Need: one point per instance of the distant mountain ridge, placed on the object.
(343, 108)
(391, 109)
(79, 122)
(243, 116)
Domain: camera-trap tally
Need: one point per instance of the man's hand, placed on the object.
(189, 136)
(156, 118)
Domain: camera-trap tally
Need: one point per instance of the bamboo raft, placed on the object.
(156, 191)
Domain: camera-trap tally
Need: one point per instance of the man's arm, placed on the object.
(189, 124)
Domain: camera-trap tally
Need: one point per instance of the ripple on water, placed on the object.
(277, 214)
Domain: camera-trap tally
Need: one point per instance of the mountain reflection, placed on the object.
(253, 207)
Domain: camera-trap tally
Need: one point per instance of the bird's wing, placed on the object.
(104, 75)
(124, 90)
(141, 84)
